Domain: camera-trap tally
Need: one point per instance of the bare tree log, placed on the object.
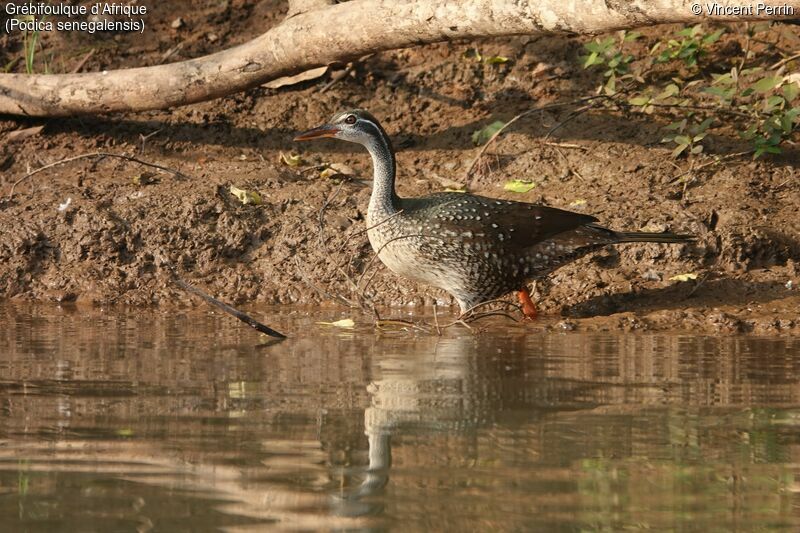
(297, 7)
(339, 32)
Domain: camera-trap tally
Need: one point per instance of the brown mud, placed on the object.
(124, 224)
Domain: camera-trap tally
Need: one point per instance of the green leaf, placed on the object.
(639, 100)
(669, 90)
(703, 126)
(593, 46)
(790, 91)
(676, 126)
(483, 135)
(679, 150)
(631, 36)
(713, 37)
(591, 60)
(520, 186)
(773, 102)
(719, 92)
(722, 79)
(246, 197)
(682, 139)
(765, 85)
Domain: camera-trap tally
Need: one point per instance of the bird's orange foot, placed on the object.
(528, 307)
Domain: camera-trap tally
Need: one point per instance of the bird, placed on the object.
(476, 248)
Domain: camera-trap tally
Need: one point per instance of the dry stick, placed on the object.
(93, 154)
(715, 161)
(522, 115)
(247, 319)
(83, 61)
(321, 217)
(570, 117)
(707, 108)
(319, 290)
(337, 77)
(784, 61)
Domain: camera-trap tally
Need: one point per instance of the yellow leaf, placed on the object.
(246, 197)
(291, 160)
(494, 60)
(344, 323)
(577, 203)
(683, 277)
(520, 186)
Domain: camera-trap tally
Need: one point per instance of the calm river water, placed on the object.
(145, 421)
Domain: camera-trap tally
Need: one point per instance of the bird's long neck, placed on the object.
(384, 200)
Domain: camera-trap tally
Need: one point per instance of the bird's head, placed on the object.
(356, 125)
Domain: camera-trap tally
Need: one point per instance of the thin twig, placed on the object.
(306, 279)
(83, 61)
(436, 320)
(93, 154)
(570, 117)
(520, 116)
(715, 161)
(337, 77)
(321, 217)
(783, 61)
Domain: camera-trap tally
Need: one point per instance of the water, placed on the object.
(142, 421)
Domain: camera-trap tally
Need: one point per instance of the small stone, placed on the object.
(212, 37)
(177, 23)
(789, 285)
(566, 325)
(652, 275)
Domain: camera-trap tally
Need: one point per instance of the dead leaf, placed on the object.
(145, 178)
(580, 202)
(336, 169)
(291, 160)
(308, 75)
(19, 135)
(448, 184)
(246, 197)
(683, 277)
(344, 323)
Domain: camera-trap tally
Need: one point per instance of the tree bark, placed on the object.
(335, 33)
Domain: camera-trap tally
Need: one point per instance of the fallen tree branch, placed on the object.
(335, 33)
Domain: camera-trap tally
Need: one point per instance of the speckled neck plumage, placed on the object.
(384, 201)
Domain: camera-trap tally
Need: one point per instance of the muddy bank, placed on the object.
(122, 222)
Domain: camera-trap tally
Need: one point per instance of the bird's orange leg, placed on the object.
(528, 307)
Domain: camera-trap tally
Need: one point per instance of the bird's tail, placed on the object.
(645, 236)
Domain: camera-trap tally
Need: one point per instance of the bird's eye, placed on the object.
(351, 119)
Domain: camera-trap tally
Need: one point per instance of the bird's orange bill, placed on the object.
(316, 133)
